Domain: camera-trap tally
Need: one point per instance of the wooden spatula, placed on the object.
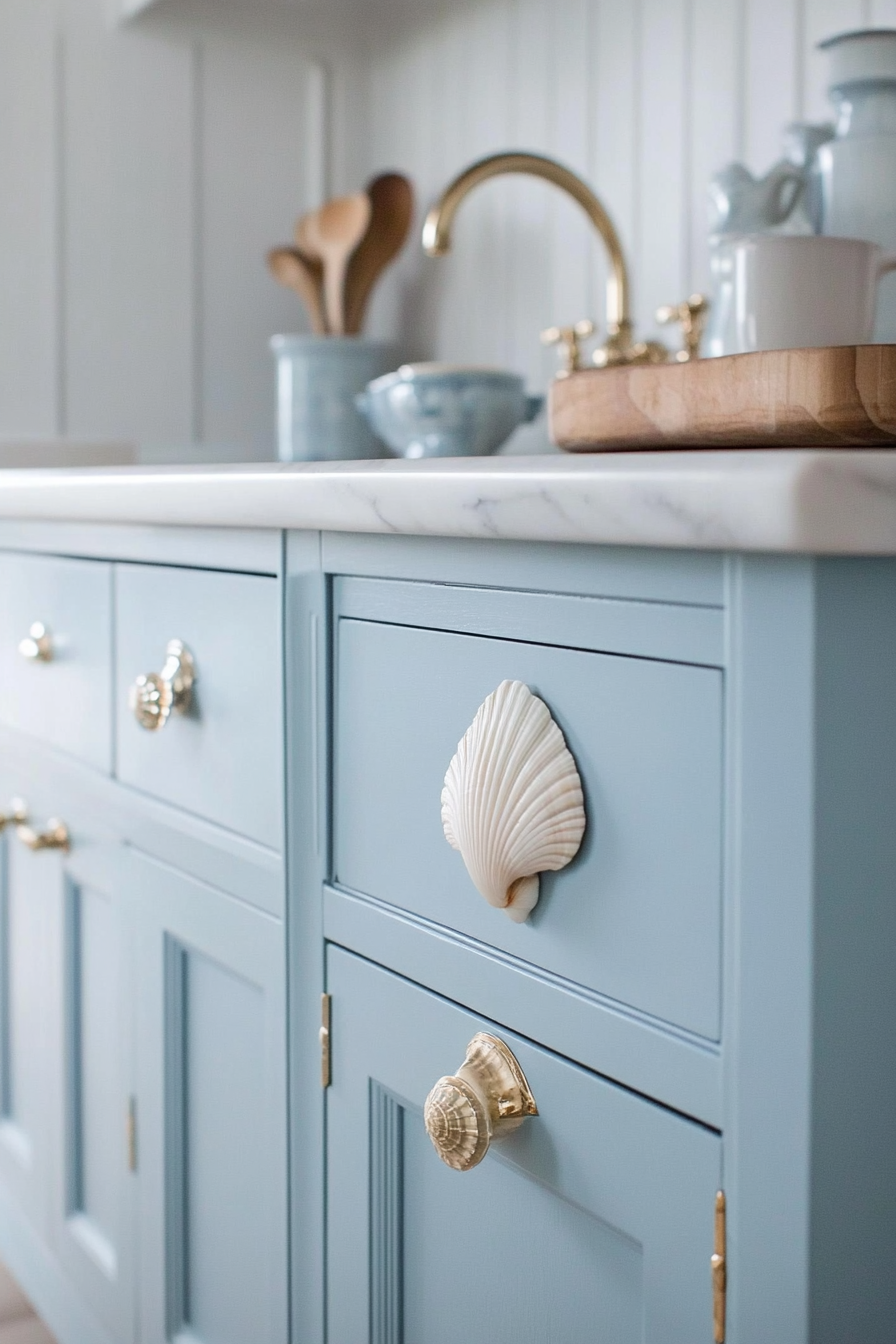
(332, 233)
(392, 210)
(304, 274)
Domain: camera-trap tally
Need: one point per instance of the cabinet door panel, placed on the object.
(209, 979)
(593, 1221)
(28, 1029)
(92, 1214)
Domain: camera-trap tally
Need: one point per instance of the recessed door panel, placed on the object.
(28, 1025)
(592, 1222)
(211, 1092)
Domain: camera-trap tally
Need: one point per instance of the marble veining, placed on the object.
(809, 501)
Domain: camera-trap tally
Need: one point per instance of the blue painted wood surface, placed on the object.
(223, 758)
(637, 915)
(594, 1220)
(209, 1000)
(64, 702)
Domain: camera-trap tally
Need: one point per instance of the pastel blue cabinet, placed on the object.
(222, 758)
(59, 692)
(638, 915)
(592, 1221)
(702, 1000)
(29, 1029)
(209, 1001)
(92, 1210)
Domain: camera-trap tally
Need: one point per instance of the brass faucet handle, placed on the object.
(691, 317)
(570, 341)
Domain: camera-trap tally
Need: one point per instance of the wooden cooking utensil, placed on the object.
(392, 209)
(304, 274)
(332, 233)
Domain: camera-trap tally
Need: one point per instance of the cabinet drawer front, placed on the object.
(592, 1221)
(636, 917)
(65, 696)
(220, 759)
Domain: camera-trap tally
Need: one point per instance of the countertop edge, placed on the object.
(809, 501)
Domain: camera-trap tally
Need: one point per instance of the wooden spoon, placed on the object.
(392, 210)
(332, 233)
(304, 274)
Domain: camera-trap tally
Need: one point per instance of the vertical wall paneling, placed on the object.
(773, 59)
(254, 175)
(28, 218)
(664, 194)
(128, 216)
(716, 123)
(823, 19)
(147, 168)
(882, 13)
(616, 121)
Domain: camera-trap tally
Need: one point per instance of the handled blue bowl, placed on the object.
(446, 410)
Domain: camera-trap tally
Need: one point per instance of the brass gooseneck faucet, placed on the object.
(620, 348)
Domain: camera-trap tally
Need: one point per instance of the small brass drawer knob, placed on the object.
(487, 1099)
(155, 695)
(38, 647)
(15, 815)
(55, 836)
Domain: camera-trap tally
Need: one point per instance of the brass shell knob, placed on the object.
(155, 695)
(55, 836)
(38, 647)
(487, 1099)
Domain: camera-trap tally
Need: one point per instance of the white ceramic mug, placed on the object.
(787, 293)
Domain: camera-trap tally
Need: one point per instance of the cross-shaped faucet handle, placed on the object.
(570, 341)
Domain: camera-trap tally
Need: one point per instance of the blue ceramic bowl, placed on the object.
(446, 410)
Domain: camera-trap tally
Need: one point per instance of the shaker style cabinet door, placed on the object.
(29, 1027)
(592, 1221)
(208, 980)
(64, 1030)
(92, 1208)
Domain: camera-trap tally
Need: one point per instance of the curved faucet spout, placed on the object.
(437, 229)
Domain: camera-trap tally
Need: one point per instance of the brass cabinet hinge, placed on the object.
(719, 1272)
(325, 1040)
(132, 1133)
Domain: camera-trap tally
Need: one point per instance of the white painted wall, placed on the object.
(146, 169)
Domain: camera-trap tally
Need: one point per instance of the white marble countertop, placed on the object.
(811, 501)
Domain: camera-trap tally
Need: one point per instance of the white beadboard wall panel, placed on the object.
(662, 253)
(128, 213)
(822, 19)
(646, 98)
(615, 101)
(716, 115)
(152, 165)
(29, 219)
(255, 176)
(773, 79)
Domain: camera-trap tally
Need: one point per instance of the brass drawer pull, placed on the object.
(487, 1099)
(55, 836)
(17, 814)
(155, 695)
(38, 647)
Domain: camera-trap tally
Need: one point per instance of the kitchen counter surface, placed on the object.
(810, 501)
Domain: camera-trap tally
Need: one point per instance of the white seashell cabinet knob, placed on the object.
(486, 1099)
(512, 801)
